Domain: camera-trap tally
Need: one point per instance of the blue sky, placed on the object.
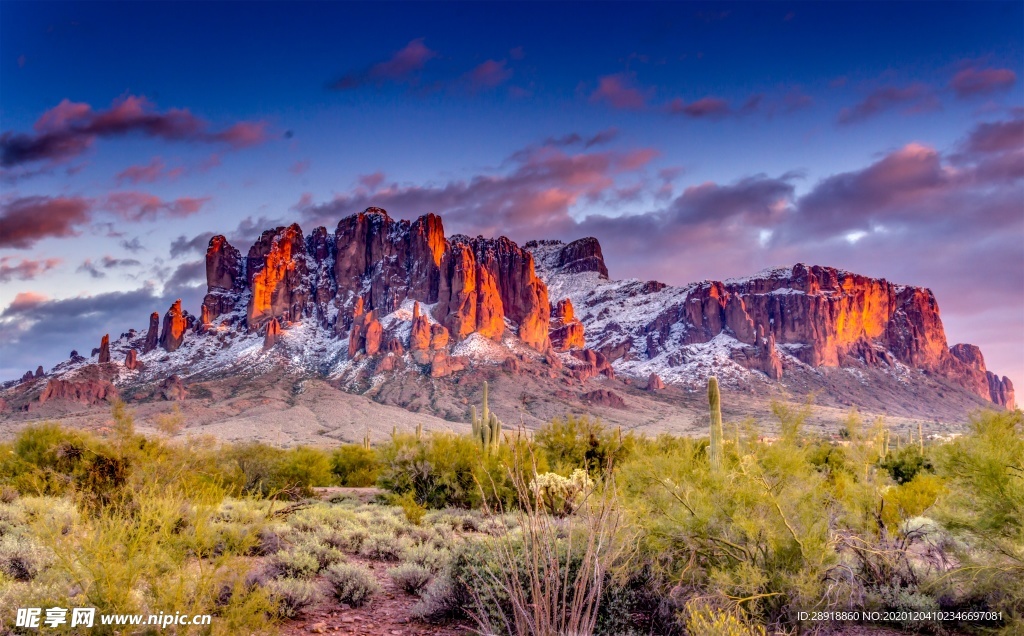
(694, 140)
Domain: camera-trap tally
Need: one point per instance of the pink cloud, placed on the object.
(619, 91)
(706, 107)
(25, 269)
(914, 98)
(489, 74)
(141, 206)
(371, 181)
(399, 67)
(299, 167)
(973, 81)
(148, 173)
(70, 128)
(27, 300)
(26, 220)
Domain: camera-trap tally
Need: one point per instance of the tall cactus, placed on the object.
(920, 438)
(715, 404)
(486, 429)
(419, 431)
(366, 439)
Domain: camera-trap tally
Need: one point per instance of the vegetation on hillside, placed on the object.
(576, 528)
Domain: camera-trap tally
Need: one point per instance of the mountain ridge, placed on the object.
(382, 300)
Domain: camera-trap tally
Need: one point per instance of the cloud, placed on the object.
(601, 137)
(973, 81)
(299, 167)
(148, 173)
(134, 246)
(620, 91)
(195, 245)
(107, 262)
(913, 98)
(26, 220)
(25, 269)
(141, 206)
(489, 74)
(706, 107)
(533, 196)
(400, 67)
(70, 128)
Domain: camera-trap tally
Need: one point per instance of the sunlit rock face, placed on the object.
(817, 316)
(475, 285)
(566, 329)
(175, 324)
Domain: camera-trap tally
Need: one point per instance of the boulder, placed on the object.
(82, 391)
(654, 383)
(131, 360)
(172, 389)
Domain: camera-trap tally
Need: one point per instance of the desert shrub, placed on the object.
(381, 546)
(442, 599)
(427, 556)
(171, 423)
(904, 465)
(292, 595)
(410, 577)
(293, 563)
(21, 558)
(911, 498)
(352, 584)
(984, 509)
(324, 554)
(355, 466)
(414, 512)
(706, 620)
(575, 442)
(304, 468)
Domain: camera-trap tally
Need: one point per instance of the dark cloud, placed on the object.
(26, 220)
(134, 246)
(572, 139)
(70, 128)
(187, 276)
(25, 269)
(195, 245)
(913, 98)
(709, 107)
(973, 80)
(400, 67)
(91, 269)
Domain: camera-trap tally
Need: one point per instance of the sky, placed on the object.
(695, 141)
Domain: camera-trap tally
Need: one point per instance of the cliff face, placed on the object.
(818, 316)
(473, 284)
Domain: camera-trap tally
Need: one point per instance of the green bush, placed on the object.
(292, 595)
(352, 584)
(355, 466)
(410, 577)
(575, 442)
(906, 464)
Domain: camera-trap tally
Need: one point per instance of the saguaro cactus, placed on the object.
(486, 429)
(366, 439)
(715, 404)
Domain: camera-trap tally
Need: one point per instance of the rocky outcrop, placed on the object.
(980, 380)
(604, 397)
(104, 355)
(654, 383)
(172, 389)
(131, 360)
(566, 330)
(821, 316)
(273, 334)
(419, 338)
(175, 324)
(152, 334)
(81, 391)
(277, 271)
(27, 377)
(39, 371)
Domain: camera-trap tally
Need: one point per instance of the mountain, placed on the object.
(399, 313)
